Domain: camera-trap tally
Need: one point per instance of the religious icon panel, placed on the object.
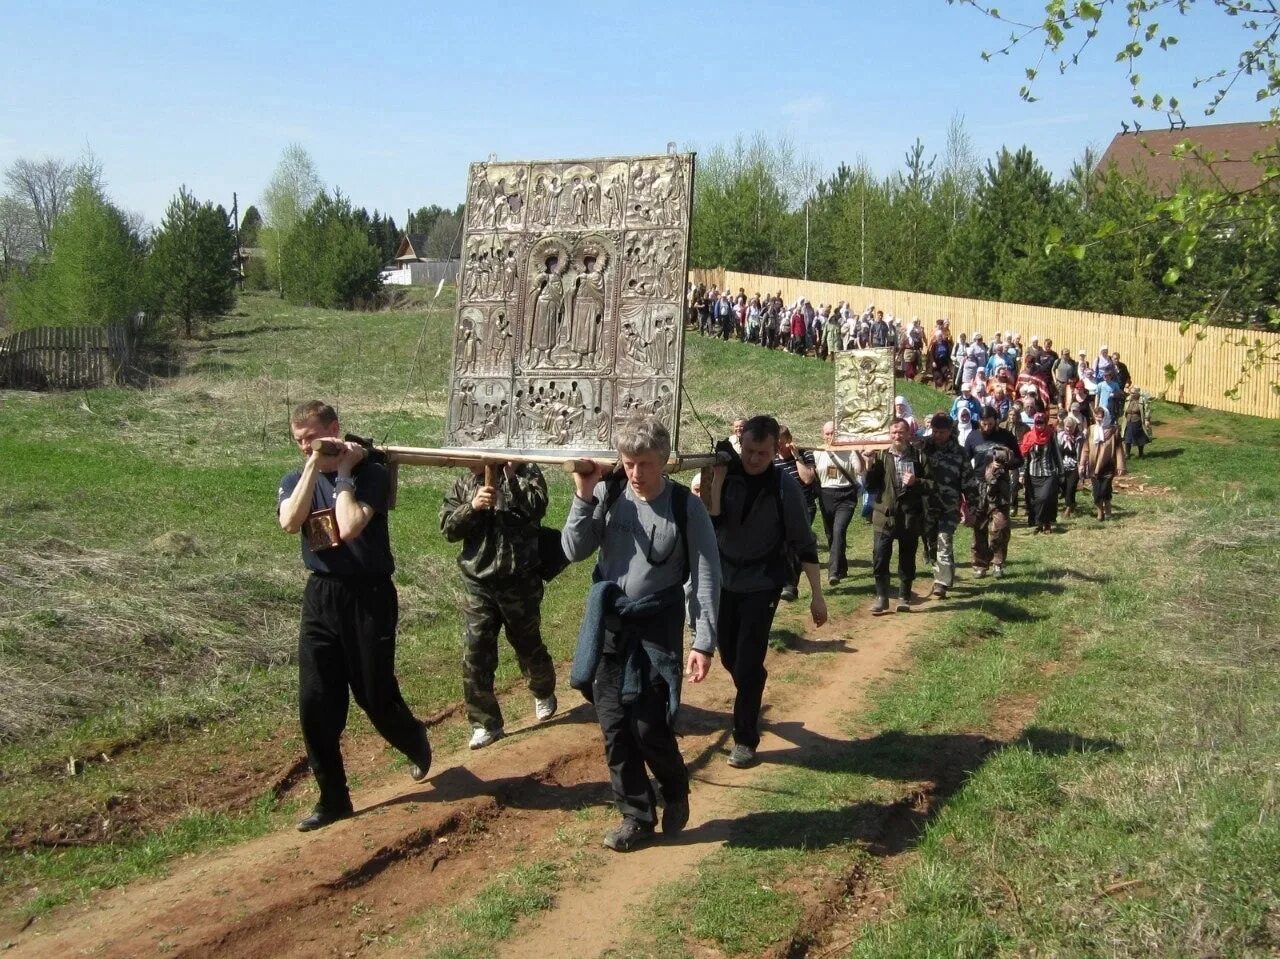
(570, 302)
(864, 394)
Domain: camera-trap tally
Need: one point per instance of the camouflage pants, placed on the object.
(514, 605)
(990, 537)
(939, 548)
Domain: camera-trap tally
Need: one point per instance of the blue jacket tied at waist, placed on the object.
(610, 610)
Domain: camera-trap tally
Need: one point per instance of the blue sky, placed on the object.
(394, 101)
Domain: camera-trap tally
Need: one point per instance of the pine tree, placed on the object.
(329, 258)
(94, 275)
(392, 240)
(191, 269)
(249, 227)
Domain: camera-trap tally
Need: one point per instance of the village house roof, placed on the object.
(413, 246)
(1148, 155)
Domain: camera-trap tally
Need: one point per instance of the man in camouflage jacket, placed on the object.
(899, 483)
(949, 470)
(502, 586)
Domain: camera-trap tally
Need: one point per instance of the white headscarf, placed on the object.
(965, 424)
(902, 407)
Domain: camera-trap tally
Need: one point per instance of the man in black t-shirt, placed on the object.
(338, 503)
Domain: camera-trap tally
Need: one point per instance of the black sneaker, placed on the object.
(628, 835)
(421, 765)
(741, 757)
(676, 816)
(321, 817)
(789, 594)
(880, 606)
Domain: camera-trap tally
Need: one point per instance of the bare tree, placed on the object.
(45, 185)
(18, 239)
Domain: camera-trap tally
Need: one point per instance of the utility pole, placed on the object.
(806, 238)
(235, 227)
(862, 232)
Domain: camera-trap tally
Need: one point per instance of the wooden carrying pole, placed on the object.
(424, 456)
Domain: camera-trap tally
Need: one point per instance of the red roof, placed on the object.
(1148, 155)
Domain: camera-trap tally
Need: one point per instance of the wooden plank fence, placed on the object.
(1210, 361)
(65, 358)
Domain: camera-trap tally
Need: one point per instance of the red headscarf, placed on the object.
(1039, 435)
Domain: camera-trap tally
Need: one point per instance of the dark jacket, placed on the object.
(609, 621)
(501, 543)
(754, 541)
(898, 508)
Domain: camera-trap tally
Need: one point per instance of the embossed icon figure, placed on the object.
(593, 199)
(613, 201)
(499, 331)
(548, 312)
(578, 202)
(470, 347)
(586, 316)
(554, 192)
(510, 274)
(538, 202)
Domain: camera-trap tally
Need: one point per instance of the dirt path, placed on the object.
(351, 887)
(802, 715)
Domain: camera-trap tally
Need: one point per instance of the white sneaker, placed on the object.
(483, 737)
(997, 571)
(544, 709)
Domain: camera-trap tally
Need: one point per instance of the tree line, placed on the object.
(1004, 230)
(70, 256)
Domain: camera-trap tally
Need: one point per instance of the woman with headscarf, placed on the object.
(964, 425)
(1042, 466)
(1031, 386)
(902, 408)
(1136, 418)
(1103, 460)
(1070, 439)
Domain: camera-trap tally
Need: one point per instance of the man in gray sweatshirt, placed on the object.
(646, 553)
(759, 514)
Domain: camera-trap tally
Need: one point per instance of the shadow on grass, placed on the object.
(210, 366)
(1166, 453)
(938, 765)
(786, 639)
(251, 331)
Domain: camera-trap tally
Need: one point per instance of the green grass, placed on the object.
(1165, 843)
(470, 929)
(66, 874)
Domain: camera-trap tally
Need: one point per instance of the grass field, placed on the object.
(148, 609)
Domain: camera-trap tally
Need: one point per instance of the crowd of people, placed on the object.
(1071, 406)
(717, 563)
